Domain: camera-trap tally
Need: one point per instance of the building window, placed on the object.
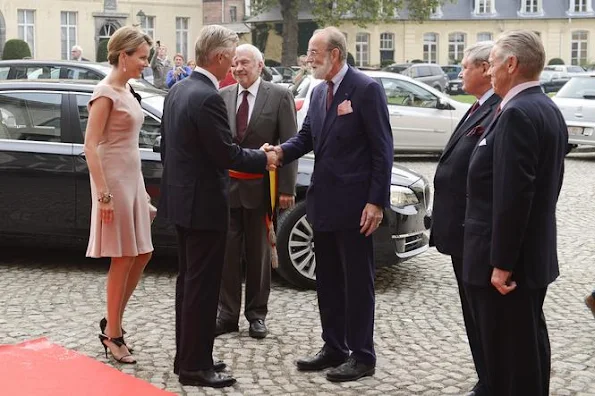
(387, 47)
(182, 36)
(580, 6)
(431, 48)
(484, 36)
(67, 32)
(484, 7)
(147, 24)
(233, 14)
(456, 46)
(26, 28)
(362, 49)
(580, 42)
(531, 6)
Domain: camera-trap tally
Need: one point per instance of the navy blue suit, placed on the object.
(515, 176)
(353, 162)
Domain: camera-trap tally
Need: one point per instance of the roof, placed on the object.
(457, 10)
(238, 27)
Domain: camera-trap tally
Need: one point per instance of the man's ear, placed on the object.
(512, 64)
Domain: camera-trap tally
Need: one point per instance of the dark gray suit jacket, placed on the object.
(273, 121)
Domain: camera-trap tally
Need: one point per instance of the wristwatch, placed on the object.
(105, 197)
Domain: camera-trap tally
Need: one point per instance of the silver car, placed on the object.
(422, 118)
(576, 100)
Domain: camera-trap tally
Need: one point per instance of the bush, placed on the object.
(271, 63)
(102, 51)
(386, 62)
(555, 61)
(16, 49)
(417, 61)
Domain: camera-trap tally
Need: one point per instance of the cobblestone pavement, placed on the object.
(420, 342)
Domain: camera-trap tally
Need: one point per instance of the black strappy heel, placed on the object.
(103, 325)
(119, 341)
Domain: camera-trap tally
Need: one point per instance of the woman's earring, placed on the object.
(124, 66)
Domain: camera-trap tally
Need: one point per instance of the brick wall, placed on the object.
(212, 11)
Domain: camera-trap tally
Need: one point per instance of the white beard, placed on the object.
(323, 70)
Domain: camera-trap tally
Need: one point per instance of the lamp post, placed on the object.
(141, 18)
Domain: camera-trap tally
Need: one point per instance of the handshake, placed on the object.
(274, 156)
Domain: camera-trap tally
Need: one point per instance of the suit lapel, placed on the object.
(343, 93)
(464, 125)
(261, 99)
(231, 101)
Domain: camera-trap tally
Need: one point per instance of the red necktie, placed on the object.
(329, 94)
(242, 118)
(474, 107)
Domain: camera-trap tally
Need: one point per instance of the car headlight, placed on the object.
(402, 196)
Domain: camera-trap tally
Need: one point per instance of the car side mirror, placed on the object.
(157, 145)
(443, 105)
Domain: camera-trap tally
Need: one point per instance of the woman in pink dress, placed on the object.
(121, 209)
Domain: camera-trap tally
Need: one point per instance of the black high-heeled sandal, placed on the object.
(119, 341)
(103, 325)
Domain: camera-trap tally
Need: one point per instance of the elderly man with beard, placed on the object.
(258, 112)
(348, 128)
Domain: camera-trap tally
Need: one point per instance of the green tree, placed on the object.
(556, 61)
(102, 51)
(336, 12)
(16, 49)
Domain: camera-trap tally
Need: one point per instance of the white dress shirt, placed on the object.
(253, 91)
(516, 90)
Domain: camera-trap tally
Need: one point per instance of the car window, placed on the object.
(405, 93)
(4, 72)
(575, 69)
(554, 68)
(578, 88)
(31, 116)
(436, 70)
(75, 73)
(149, 132)
(423, 71)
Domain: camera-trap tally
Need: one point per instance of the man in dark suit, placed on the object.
(348, 128)
(509, 258)
(258, 112)
(197, 151)
(450, 182)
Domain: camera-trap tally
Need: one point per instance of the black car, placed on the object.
(455, 87)
(45, 182)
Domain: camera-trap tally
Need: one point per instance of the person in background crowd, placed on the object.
(259, 112)
(179, 72)
(228, 80)
(121, 210)
(191, 64)
(76, 53)
(510, 240)
(450, 183)
(160, 65)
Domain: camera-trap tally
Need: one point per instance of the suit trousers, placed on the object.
(200, 258)
(246, 239)
(514, 339)
(470, 326)
(345, 287)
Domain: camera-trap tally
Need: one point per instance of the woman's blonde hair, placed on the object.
(126, 39)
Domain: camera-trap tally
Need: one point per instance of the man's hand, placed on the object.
(371, 219)
(286, 201)
(272, 159)
(501, 281)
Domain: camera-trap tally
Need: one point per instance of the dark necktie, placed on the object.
(329, 94)
(474, 107)
(242, 118)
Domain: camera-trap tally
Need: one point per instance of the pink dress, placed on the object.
(129, 234)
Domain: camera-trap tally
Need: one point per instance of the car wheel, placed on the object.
(295, 244)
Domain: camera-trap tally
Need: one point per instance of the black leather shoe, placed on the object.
(351, 370)
(258, 329)
(218, 366)
(323, 359)
(478, 390)
(222, 327)
(208, 378)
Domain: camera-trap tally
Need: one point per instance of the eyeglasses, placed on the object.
(315, 53)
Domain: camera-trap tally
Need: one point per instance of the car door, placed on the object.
(151, 167)
(416, 122)
(36, 167)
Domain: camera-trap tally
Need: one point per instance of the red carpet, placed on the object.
(40, 368)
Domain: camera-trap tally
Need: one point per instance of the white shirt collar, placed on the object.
(516, 90)
(210, 75)
(486, 96)
(339, 77)
(253, 89)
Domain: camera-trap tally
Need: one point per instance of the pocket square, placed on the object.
(344, 108)
(483, 142)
